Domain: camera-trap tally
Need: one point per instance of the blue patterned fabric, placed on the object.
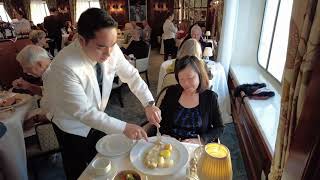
(187, 122)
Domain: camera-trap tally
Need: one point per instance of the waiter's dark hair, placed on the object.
(92, 20)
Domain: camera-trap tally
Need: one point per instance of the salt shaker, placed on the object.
(192, 170)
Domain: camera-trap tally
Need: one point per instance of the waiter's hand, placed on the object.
(135, 132)
(153, 114)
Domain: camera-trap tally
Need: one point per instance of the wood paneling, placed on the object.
(257, 157)
(121, 13)
(157, 18)
(10, 69)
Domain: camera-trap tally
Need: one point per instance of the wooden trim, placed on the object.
(254, 149)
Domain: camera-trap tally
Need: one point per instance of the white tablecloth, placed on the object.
(13, 161)
(123, 163)
(218, 84)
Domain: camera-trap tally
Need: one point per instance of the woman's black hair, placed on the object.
(197, 66)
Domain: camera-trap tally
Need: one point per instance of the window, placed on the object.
(274, 36)
(3, 13)
(83, 5)
(39, 10)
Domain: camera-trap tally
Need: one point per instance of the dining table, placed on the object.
(12, 145)
(123, 162)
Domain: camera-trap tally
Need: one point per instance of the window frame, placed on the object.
(265, 69)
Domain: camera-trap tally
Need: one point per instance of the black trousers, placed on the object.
(77, 151)
(56, 43)
(169, 48)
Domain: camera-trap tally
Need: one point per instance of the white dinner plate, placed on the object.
(20, 100)
(179, 155)
(114, 145)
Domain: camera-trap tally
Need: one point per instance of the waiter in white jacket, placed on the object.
(78, 86)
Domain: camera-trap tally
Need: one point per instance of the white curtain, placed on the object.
(39, 10)
(83, 5)
(227, 32)
(3, 13)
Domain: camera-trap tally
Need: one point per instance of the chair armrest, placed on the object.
(142, 64)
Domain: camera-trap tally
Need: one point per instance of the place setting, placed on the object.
(9, 101)
(157, 157)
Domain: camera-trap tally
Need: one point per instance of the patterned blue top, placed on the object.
(187, 122)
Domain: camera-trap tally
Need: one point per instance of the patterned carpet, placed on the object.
(51, 168)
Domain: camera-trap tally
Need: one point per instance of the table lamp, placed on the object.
(215, 163)
(208, 33)
(207, 53)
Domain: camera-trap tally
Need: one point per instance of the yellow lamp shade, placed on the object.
(215, 163)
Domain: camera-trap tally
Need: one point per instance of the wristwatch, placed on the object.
(150, 103)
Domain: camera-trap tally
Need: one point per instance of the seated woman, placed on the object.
(38, 38)
(190, 47)
(137, 47)
(189, 109)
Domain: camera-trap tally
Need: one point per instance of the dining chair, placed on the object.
(143, 64)
(43, 144)
(168, 80)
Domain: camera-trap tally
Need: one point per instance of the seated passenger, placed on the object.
(146, 31)
(137, 47)
(191, 47)
(34, 60)
(196, 33)
(189, 109)
(38, 38)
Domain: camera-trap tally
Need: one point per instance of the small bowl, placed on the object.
(123, 175)
(101, 166)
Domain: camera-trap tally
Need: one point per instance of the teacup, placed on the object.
(101, 166)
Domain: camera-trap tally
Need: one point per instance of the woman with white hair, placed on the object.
(38, 37)
(34, 61)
